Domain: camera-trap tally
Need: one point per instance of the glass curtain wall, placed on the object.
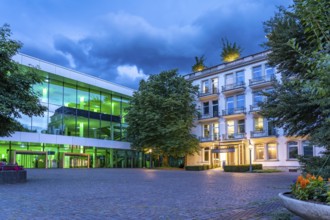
(76, 109)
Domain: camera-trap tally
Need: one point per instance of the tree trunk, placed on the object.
(165, 161)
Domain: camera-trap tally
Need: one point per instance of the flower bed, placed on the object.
(12, 173)
(310, 197)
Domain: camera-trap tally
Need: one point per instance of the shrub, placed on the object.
(310, 188)
(197, 168)
(317, 166)
(242, 168)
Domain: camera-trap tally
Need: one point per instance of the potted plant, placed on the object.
(309, 199)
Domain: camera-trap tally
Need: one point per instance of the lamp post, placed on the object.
(150, 165)
(250, 151)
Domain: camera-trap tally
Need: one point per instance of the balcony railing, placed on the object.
(233, 111)
(261, 80)
(207, 116)
(264, 133)
(240, 85)
(233, 136)
(209, 138)
(208, 92)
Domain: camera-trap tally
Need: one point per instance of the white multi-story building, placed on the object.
(230, 128)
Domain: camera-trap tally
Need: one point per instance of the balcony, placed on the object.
(233, 112)
(234, 136)
(233, 88)
(261, 82)
(264, 133)
(209, 138)
(254, 108)
(208, 94)
(209, 117)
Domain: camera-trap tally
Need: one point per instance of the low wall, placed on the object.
(13, 176)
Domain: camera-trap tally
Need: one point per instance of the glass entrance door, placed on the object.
(31, 159)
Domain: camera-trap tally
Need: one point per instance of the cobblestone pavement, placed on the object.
(143, 194)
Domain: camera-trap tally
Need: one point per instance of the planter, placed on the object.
(305, 209)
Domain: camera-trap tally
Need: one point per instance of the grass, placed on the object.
(267, 171)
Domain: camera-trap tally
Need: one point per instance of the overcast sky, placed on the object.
(123, 41)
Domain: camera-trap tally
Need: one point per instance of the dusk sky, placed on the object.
(123, 41)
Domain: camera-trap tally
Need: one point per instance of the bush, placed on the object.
(242, 168)
(317, 166)
(197, 168)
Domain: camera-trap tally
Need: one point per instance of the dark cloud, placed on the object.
(124, 48)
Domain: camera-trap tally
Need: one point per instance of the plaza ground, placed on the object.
(143, 194)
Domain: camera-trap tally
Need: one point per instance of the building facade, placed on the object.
(230, 128)
(84, 125)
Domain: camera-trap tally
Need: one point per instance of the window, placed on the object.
(230, 127)
(272, 151)
(257, 98)
(240, 101)
(230, 105)
(205, 86)
(257, 73)
(215, 108)
(214, 85)
(240, 78)
(206, 108)
(216, 131)
(269, 71)
(292, 150)
(206, 131)
(307, 148)
(241, 126)
(260, 151)
(229, 79)
(206, 154)
(258, 124)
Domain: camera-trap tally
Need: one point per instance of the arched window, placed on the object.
(292, 149)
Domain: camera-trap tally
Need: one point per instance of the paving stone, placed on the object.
(143, 194)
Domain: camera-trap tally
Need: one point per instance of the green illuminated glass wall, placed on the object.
(77, 109)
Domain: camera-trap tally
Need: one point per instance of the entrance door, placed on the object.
(31, 159)
(75, 160)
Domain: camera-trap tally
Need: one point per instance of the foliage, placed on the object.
(310, 188)
(16, 94)
(161, 115)
(197, 168)
(230, 51)
(241, 168)
(199, 65)
(318, 166)
(300, 46)
(267, 171)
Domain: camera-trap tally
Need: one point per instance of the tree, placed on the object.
(300, 45)
(16, 94)
(230, 51)
(199, 65)
(161, 115)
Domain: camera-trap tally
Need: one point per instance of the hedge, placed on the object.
(197, 168)
(242, 168)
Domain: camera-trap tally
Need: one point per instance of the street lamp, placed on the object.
(250, 149)
(150, 165)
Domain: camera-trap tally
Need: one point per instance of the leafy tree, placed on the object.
(300, 44)
(161, 116)
(199, 65)
(230, 51)
(16, 94)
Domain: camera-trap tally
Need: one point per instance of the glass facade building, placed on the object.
(84, 125)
